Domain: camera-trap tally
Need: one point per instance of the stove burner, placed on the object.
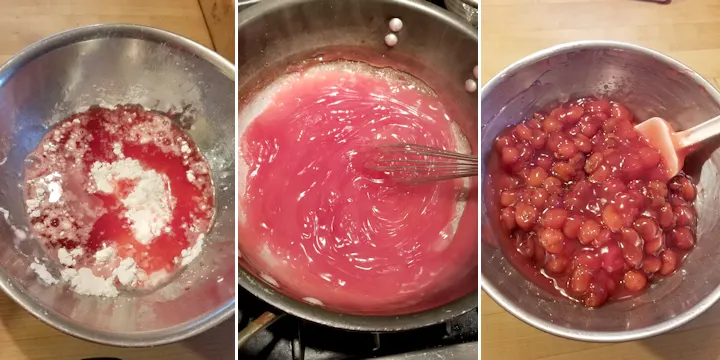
(296, 339)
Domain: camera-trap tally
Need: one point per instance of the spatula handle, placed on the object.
(699, 133)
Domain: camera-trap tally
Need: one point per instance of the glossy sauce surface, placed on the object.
(318, 223)
(71, 215)
(585, 206)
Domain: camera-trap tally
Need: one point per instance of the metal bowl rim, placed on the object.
(588, 335)
(104, 31)
(257, 10)
(368, 323)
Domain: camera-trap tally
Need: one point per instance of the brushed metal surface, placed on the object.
(244, 4)
(467, 351)
(110, 65)
(465, 8)
(649, 84)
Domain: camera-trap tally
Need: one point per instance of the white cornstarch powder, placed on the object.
(87, 283)
(189, 254)
(103, 255)
(148, 206)
(43, 273)
(127, 272)
(68, 274)
(67, 258)
(118, 150)
(106, 174)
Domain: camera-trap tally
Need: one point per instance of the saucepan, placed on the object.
(434, 45)
(110, 65)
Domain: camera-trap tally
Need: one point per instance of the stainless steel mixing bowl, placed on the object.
(120, 64)
(650, 84)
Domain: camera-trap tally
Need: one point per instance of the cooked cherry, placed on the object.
(669, 262)
(554, 218)
(510, 155)
(539, 138)
(598, 106)
(580, 281)
(646, 227)
(666, 217)
(651, 264)
(620, 112)
(504, 141)
(612, 218)
(683, 238)
(684, 216)
(593, 162)
(571, 229)
(557, 263)
(538, 197)
(507, 215)
(553, 185)
(634, 280)
(563, 171)
(596, 296)
(525, 216)
(604, 237)
(654, 245)
(522, 132)
(552, 240)
(552, 125)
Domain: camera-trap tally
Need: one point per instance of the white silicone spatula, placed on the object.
(675, 146)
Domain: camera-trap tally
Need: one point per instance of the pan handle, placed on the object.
(257, 325)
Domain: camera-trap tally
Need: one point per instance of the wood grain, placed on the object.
(687, 30)
(23, 337)
(24, 22)
(220, 19)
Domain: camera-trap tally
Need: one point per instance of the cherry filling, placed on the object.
(585, 206)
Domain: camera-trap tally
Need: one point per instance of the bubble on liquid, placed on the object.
(395, 24)
(391, 40)
(470, 85)
(269, 280)
(313, 301)
(475, 71)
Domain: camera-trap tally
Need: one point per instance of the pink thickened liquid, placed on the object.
(322, 227)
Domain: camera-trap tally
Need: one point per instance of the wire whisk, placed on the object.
(413, 164)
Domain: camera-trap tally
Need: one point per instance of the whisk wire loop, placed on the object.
(414, 164)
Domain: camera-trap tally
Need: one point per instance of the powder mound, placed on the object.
(148, 205)
(43, 273)
(87, 283)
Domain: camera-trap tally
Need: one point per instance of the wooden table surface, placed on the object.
(687, 30)
(220, 20)
(23, 22)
